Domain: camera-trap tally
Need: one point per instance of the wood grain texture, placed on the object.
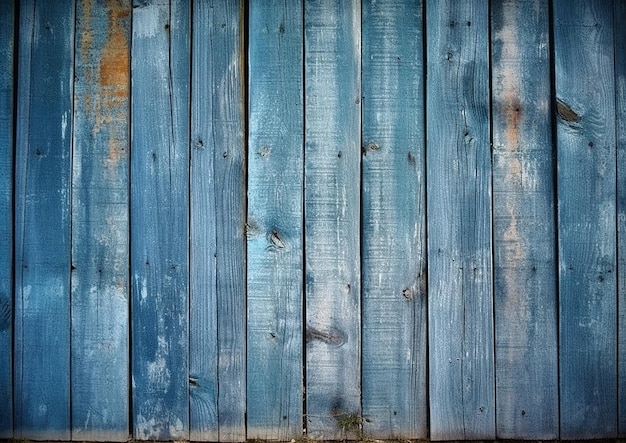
(619, 38)
(524, 223)
(462, 398)
(583, 46)
(275, 221)
(100, 225)
(42, 221)
(7, 83)
(159, 219)
(332, 220)
(218, 300)
(395, 403)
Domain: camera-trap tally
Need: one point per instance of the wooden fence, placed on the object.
(330, 218)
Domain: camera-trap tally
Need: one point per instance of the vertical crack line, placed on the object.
(303, 232)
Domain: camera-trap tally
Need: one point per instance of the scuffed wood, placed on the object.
(275, 221)
(159, 219)
(100, 237)
(332, 220)
(42, 221)
(460, 309)
(584, 69)
(395, 402)
(524, 222)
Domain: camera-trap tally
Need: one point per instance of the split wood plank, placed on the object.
(585, 107)
(159, 219)
(394, 359)
(332, 54)
(275, 221)
(42, 220)
(524, 223)
(461, 342)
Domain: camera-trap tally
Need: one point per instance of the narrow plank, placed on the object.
(100, 225)
(275, 221)
(619, 38)
(42, 221)
(332, 219)
(7, 82)
(583, 46)
(395, 403)
(159, 218)
(460, 309)
(218, 303)
(524, 223)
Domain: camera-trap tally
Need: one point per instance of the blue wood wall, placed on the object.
(228, 220)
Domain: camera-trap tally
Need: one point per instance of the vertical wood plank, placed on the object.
(619, 39)
(332, 194)
(7, 82)
(462, 399)
(275, 221)
(159, 218)
(100, 261)
(524, 223)
(393, 222)
(42, 221)
(585, 93)
(218, 303)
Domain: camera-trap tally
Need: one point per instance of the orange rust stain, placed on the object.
(114, 61)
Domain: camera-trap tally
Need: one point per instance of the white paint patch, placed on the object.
(64, 125)
(158, 372)
(146, 21)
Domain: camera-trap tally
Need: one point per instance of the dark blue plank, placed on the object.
(159, 218)
(100, 289)
(42, 221)
(332, 219)
(218, 298)
(524, 223)
(460, 308)
(395, 403)
(275, 221)
(7, 79)
(585, 93)
(619, 19)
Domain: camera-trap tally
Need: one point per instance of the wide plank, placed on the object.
(275, 221)
(460, 308)
(394, 283)
(42, 220)
(159, 219)
(585, 108)
(7, 83)
(332, 51)
(524, 222)
(100, 223)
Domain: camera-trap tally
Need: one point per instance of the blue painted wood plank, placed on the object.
(100, 224)
(585, 93)
(619, 39)
(42, 221)
(395, 403)
(460, 309)
(524, 223)
(332, 219)
(7, 82)
(275, 221)
(218, 298)
(159, 218)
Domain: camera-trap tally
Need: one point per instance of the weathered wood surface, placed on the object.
(395, 402)
(275, 221)
(332, 50)
(159, 219)
(585, 139)
(524, 222)
(218, 300)
(100, 230)
(460, 309)
(42, 221)
(7, 83)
